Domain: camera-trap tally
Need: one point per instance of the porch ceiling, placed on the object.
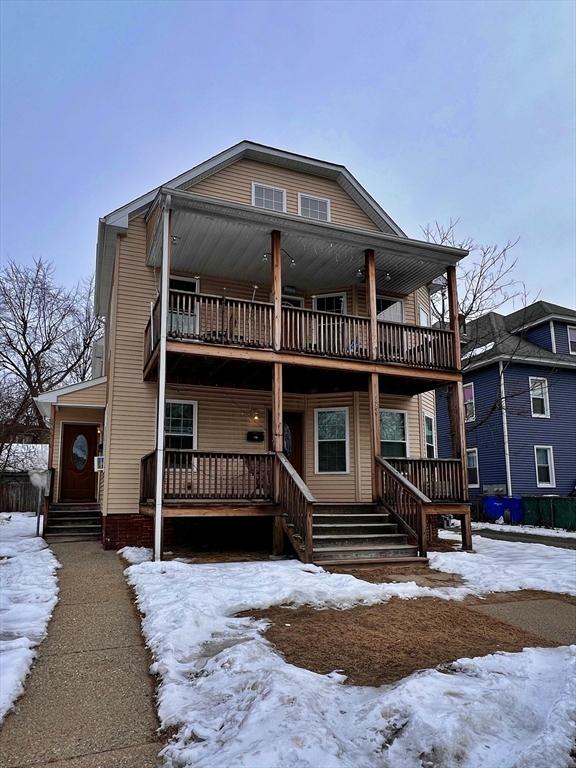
(218, 238)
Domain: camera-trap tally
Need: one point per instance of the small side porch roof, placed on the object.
(221, 238)
(86, 394)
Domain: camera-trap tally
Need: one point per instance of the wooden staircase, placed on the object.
(73, 522)
(357, 534)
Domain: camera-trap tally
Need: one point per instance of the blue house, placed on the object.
(520, 402)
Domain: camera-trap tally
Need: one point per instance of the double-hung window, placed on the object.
(317, 208)
(544, 461)
(393, 434)
(389, 309)
(539, 402)
(572, 339)
(430, 437)
(331, 302)
(270, 198)
(469, 403)
(423, 316)
(332, 440)
(472, 468)
(181, 424)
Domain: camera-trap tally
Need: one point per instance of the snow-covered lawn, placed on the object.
(533, 530)
(235, 701)
(28, 594)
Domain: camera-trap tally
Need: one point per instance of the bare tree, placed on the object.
(46, 336)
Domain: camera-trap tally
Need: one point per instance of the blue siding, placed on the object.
(540, 335)
(561, 335)
(525, 431)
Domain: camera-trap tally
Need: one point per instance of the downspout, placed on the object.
(162, 378)
(505, 429)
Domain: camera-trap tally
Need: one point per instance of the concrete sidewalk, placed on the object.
(89, 700)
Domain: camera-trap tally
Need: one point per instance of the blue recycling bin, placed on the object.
(507, 507)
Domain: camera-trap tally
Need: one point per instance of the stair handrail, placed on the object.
(405, 501)
(296, 502)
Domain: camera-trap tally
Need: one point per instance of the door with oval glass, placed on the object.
(78, 479)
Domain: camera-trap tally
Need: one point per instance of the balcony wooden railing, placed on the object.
(239, 322)
(405, 501)
(439, 479)
(148, 477)
(325, 333)
(296, 503)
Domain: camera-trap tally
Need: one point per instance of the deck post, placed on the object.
(277, 286)
(164, 289)
(374, 408)
(277, 447)
(370, 274)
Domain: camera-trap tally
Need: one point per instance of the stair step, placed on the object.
(89, 528)
(365, 552)
(74, 508)
(375, 517)
(359, 539)
(346, 509)
(355, 528)
(69, 537)
(377, 561)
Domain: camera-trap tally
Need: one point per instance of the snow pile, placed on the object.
(478, 350)
(135, 555)
(507, 566)
(561, 533)
(235, 701)
(28, 594)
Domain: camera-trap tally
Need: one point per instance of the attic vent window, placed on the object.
(317, 208)
(270, 198)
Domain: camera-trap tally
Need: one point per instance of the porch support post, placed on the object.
(165, 278)
(277, 447)
(456, 402)
(374, 408)
(370, 273)
(277, 287)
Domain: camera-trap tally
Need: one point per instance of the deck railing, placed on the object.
(404, 500)
(148, 477)
(296, 503)
(439, 479)
(240, 322)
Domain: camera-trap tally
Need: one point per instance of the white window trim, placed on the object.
(317, 471)
(473, 417)
(552, 483)
(395, 299)
(531, 381)
(342, 295)
(406, 430)
(434, 437)
(314, 197)
(568, 329)
(475, 452)
(426, 311)
(170, 401)
(268, 186)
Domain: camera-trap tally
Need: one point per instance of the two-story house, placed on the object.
(520, 402)
(268, 358)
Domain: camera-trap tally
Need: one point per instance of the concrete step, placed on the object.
(63, 538)
(358, 519)
(350, 539)
(354, 527)
(362, 552)
(78, 528)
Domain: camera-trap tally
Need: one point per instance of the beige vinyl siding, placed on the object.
(69, 415)
(95, 395)
(234, 183)
(130, 418)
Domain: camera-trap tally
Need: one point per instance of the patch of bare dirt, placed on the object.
(384, 643)
(421, 573)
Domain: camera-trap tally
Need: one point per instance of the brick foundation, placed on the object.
(127, 531)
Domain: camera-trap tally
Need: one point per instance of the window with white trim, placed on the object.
(393, 434)
(472, 468)
(332, 440)
(469, 402)
(331, 302)
(571, 330)
(429, 437)
(390, 309)
(539, 402)
(544, 462)
(423, 316)
(317, 208)
(180, 424)
(270, 198)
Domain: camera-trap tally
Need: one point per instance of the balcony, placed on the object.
(230, 322)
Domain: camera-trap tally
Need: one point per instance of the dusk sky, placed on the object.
(440, 109)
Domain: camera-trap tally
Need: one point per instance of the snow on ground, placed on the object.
(135, 555)
(28, 594)
(507, 566)
(235, 701)
(561, 533)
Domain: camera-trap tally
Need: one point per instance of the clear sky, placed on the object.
(441, 109)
